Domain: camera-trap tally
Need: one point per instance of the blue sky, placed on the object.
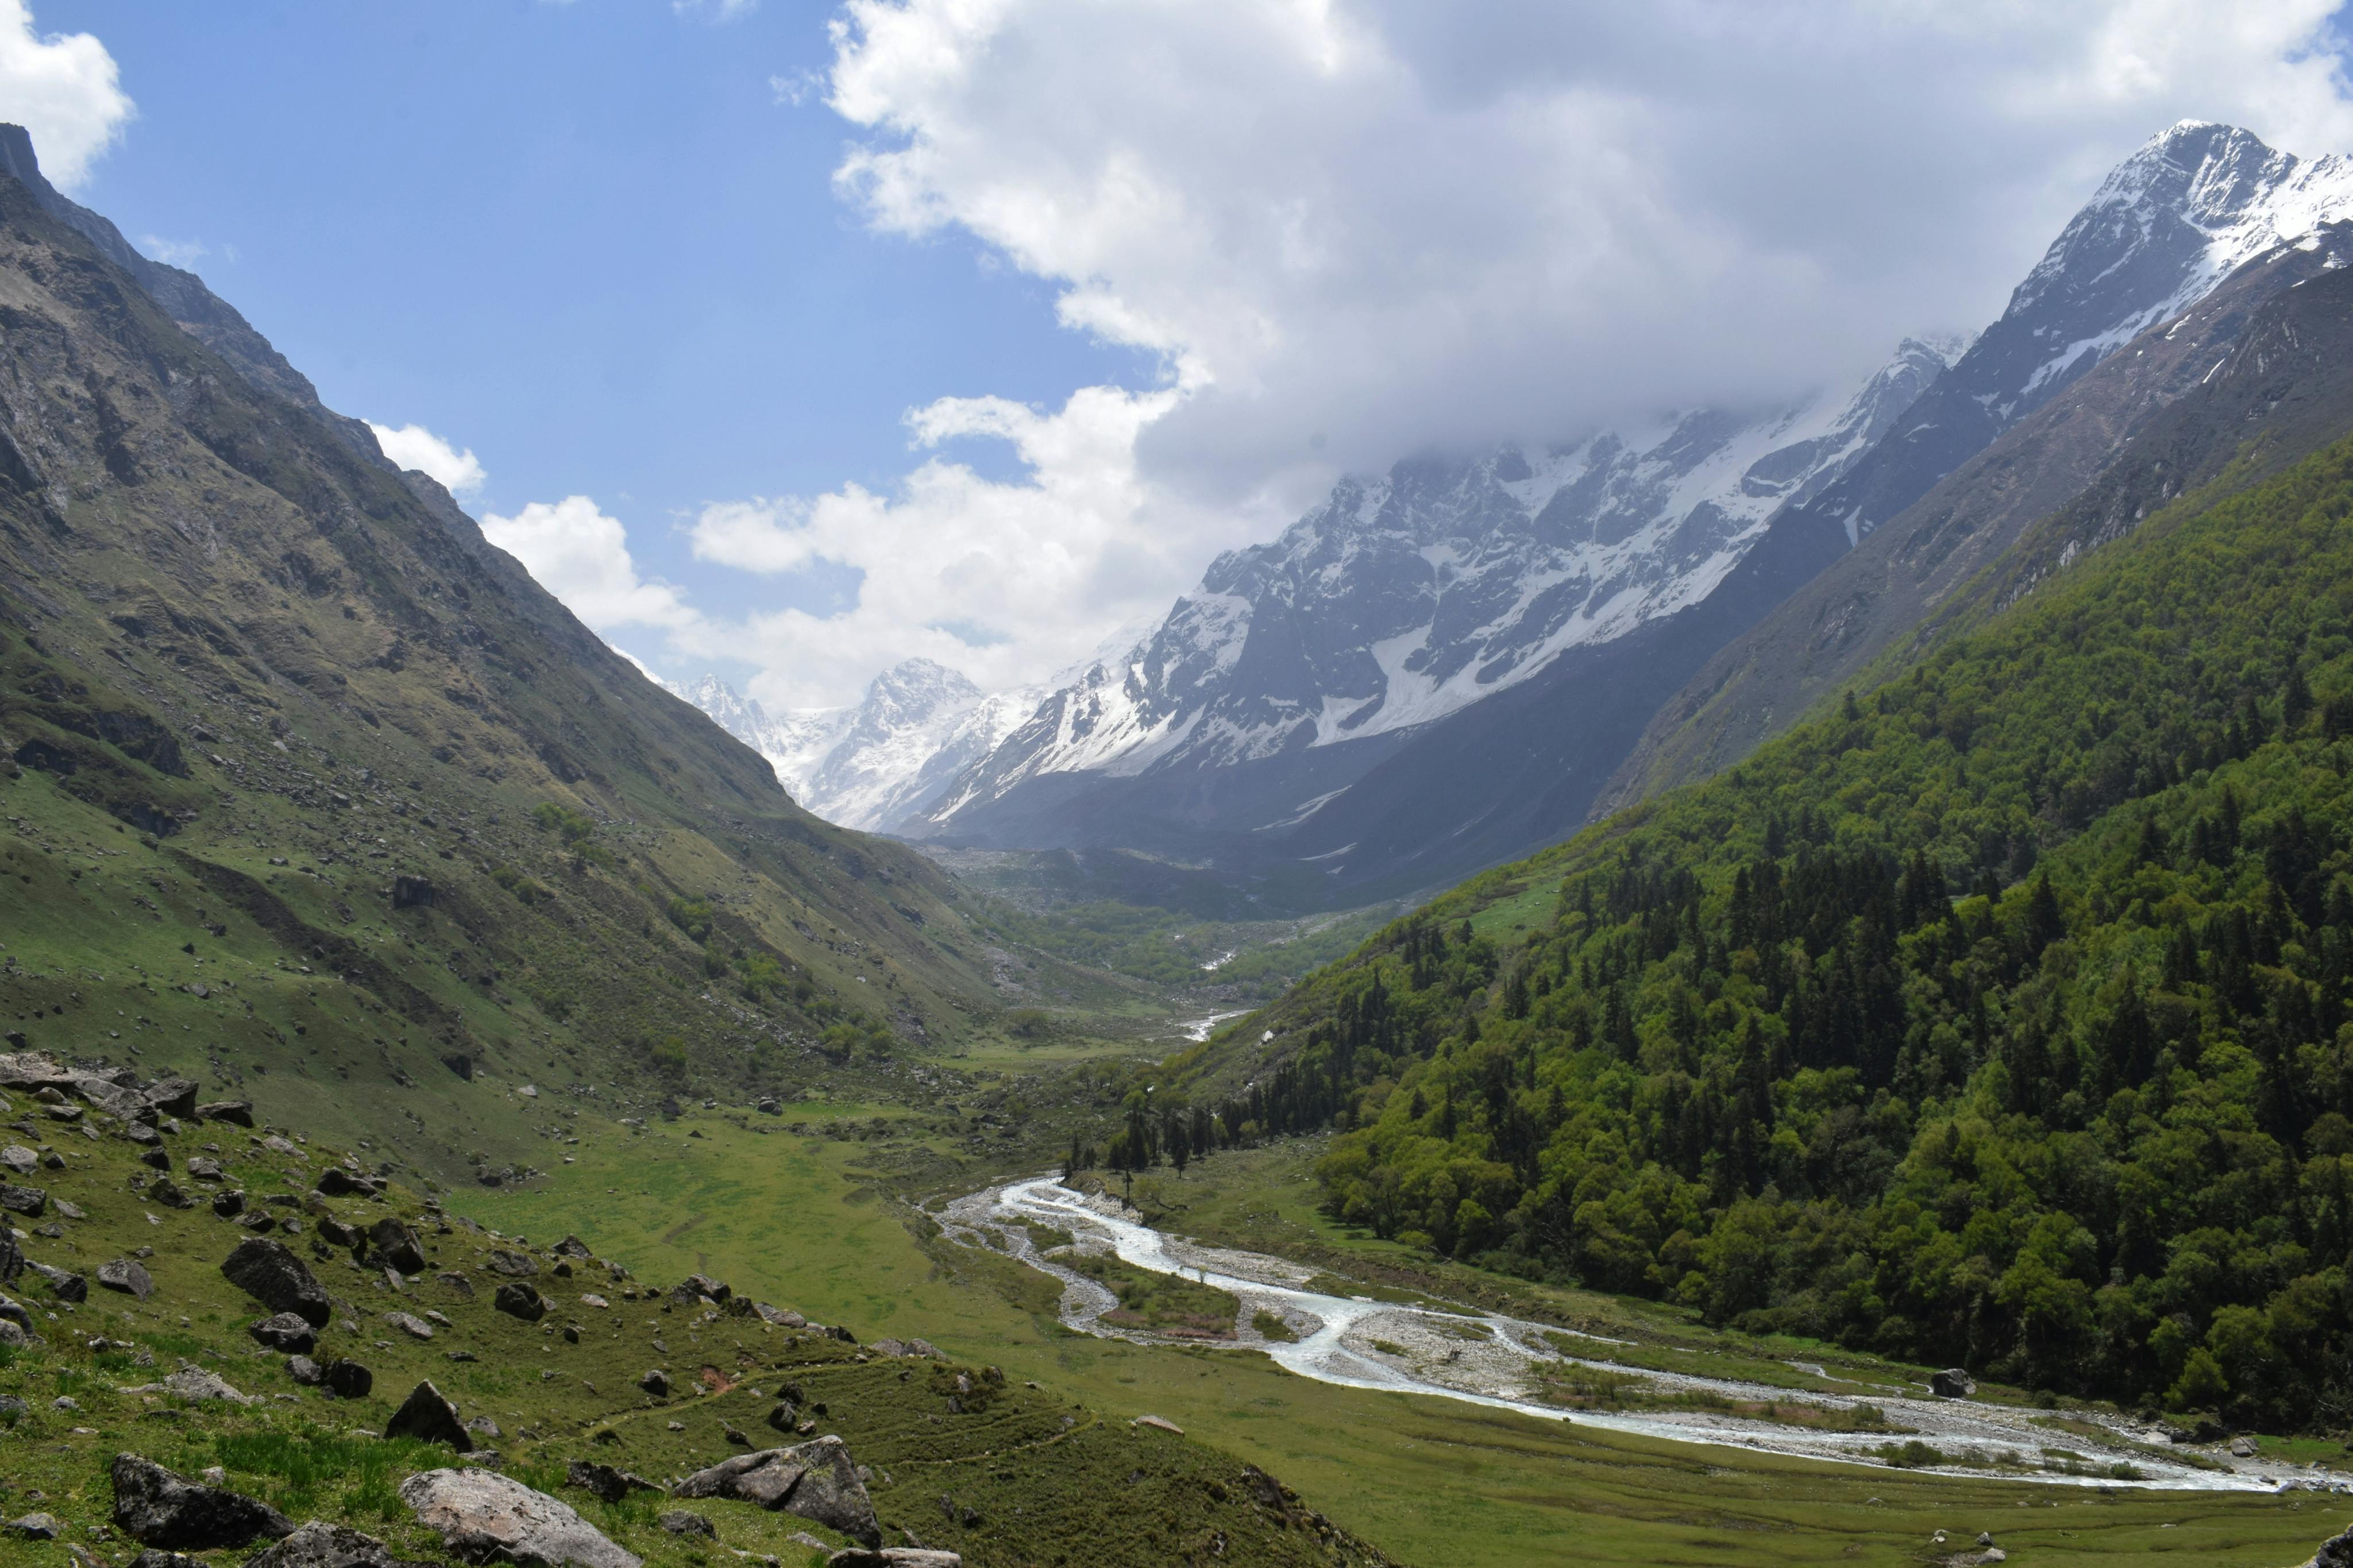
(797, 339)
(587, 241)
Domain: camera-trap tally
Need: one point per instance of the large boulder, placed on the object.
(1952, 1383)
(65, 1285)
(815, 1480)
(483, 1516)
(319, 1544)
(893, 1557)
(237, 1113)
(429, 1417)
(128, 1275)
(392, 1244)
(156, 1508)
(270, 1273)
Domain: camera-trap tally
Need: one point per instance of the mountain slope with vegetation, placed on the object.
(1992, 1017)
(303, 778)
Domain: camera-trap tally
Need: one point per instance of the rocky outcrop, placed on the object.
(1952, 1383)
(484, 1516)
(157, 1508)
(815, 1480)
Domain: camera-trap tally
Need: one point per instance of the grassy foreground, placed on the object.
(811, 1219)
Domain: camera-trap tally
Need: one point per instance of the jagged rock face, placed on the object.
(1407, 596)
(815, 1480)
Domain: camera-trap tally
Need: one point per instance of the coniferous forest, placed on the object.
(1997, 1016)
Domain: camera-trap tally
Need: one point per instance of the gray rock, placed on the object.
(284, 1331)
(194, 1382)
(572, 1247)
(483, 1516)
(346, 1379)
(170, 1193)
(893, 1557)
(514, 1264)
(27, 1201)
(685, 1521)
(815, 1480)
(908, 1348)
(656, 1383)
(17, 1158)
(38, 1527)
(205, 1168)
(695, 1287)
(237, 1113)
(1952, 1383)
(483, 1426)
(156, 1508)
(270, 1272)
(231, 1204)
(414, 1328)
(128, 1275)
(319, 1544)
(429, 1417)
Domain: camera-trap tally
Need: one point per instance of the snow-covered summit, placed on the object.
(871, 764)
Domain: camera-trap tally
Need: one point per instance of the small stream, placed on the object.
(1488, 1359)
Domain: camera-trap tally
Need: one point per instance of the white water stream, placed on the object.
(1488, 1359)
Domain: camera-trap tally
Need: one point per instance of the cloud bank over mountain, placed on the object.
(1345, 233)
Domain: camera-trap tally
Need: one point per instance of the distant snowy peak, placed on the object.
(870, 764)
(2169, 223)
(1405, 596)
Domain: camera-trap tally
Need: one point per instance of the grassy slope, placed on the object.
(1035, 1477)
(221, 623)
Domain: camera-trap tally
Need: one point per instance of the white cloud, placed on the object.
(1396, 224)
(415, 446)
(174, 252)
(582, 556)
(1004, 579)
(64, 89)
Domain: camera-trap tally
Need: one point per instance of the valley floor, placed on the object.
(821, 1207)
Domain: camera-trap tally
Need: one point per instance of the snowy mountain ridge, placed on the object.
(1409, 595)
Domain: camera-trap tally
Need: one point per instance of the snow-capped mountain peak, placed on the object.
(872, 764)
